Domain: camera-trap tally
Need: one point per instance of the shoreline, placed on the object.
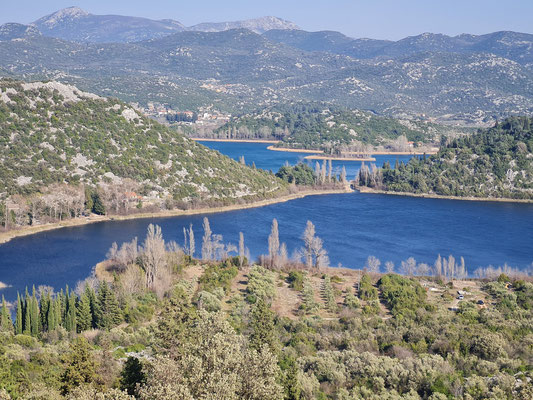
(316, 157)
(235, 140)
(363, 189)
(288, 150)
(5, 237)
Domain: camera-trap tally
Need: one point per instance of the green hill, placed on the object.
(493, 163)
(327, 127)
(53, 134)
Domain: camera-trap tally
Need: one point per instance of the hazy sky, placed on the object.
(380, 19)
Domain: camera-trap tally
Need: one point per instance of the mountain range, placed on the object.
(467, 78)
(75, 24)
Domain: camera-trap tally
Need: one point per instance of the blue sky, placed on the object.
(380, 19)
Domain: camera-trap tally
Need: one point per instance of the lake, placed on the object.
(353, 226)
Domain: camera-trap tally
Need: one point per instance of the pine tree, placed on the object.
(131, 375)
(80, 366)
(44, 307)
(89, 292)
(84, 316)
(6, 325)
(109, 313)
(19, 318)
(262, 326)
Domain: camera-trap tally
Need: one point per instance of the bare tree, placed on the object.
(273, 244)
(409, 266)
(389, 267)
(207, 241)
(308, 237)
(422, 269)
(185, 241)
(330, 168)
(283, 256)
(241, 249)
(317, 172)
(192, 244)
(372, 264)
(343, 174)
(437, 267)
(153, 254)
(323, 173)
(451, 267)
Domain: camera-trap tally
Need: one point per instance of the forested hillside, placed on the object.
(56, 140)
(328, 128)
(160, 325)
(493, 163)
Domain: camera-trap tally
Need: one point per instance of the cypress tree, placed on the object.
(27, 316)
(19, 318)
(44, 310)
(84, 316)
(34, 314)
(70, 320)
(51, 319)
(57, 311)
(262, 325)
(89, 292)
(6, 325)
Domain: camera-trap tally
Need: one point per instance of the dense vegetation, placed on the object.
(56, 140)
(168, 326)
(493, 163)
(326, 127)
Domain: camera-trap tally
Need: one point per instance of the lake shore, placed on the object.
(31, 230)
(363, 189)
(315, 157)
(288, 150)
(235, 140)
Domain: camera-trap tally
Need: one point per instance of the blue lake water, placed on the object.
(353, 226)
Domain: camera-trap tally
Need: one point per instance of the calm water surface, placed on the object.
(353, 226)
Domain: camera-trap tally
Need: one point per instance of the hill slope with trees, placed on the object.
(493, 163)
(56, 140)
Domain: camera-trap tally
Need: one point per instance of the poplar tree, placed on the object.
(192, 244)
(273, 244)
(207, 242)
(6, 324)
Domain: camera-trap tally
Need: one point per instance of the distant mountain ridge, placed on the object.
(75, 24)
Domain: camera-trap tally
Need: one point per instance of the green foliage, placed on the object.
(296, 280)
(132, 375)
(328, 295)
(218, 276)
(299, 174)
(493, 163)
(109, 313)
(261, 284)
(404, 296)
(367, 291)
(80, 367)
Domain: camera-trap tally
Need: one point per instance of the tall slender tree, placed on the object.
(6, 324)
(273, 244)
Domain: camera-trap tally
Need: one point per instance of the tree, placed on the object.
(6, 324)
(308, 237)
(153, 255)
(19, 324)
(132, 375)
(389, 267)
(262, 326)
(409, 266)
(98, 205)
(372, 264)
(192, 244)
(207, 241)
(80, 367)
(109, 312)
(70, 321)
(84, 317)
(273, 244)
(242, 250)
